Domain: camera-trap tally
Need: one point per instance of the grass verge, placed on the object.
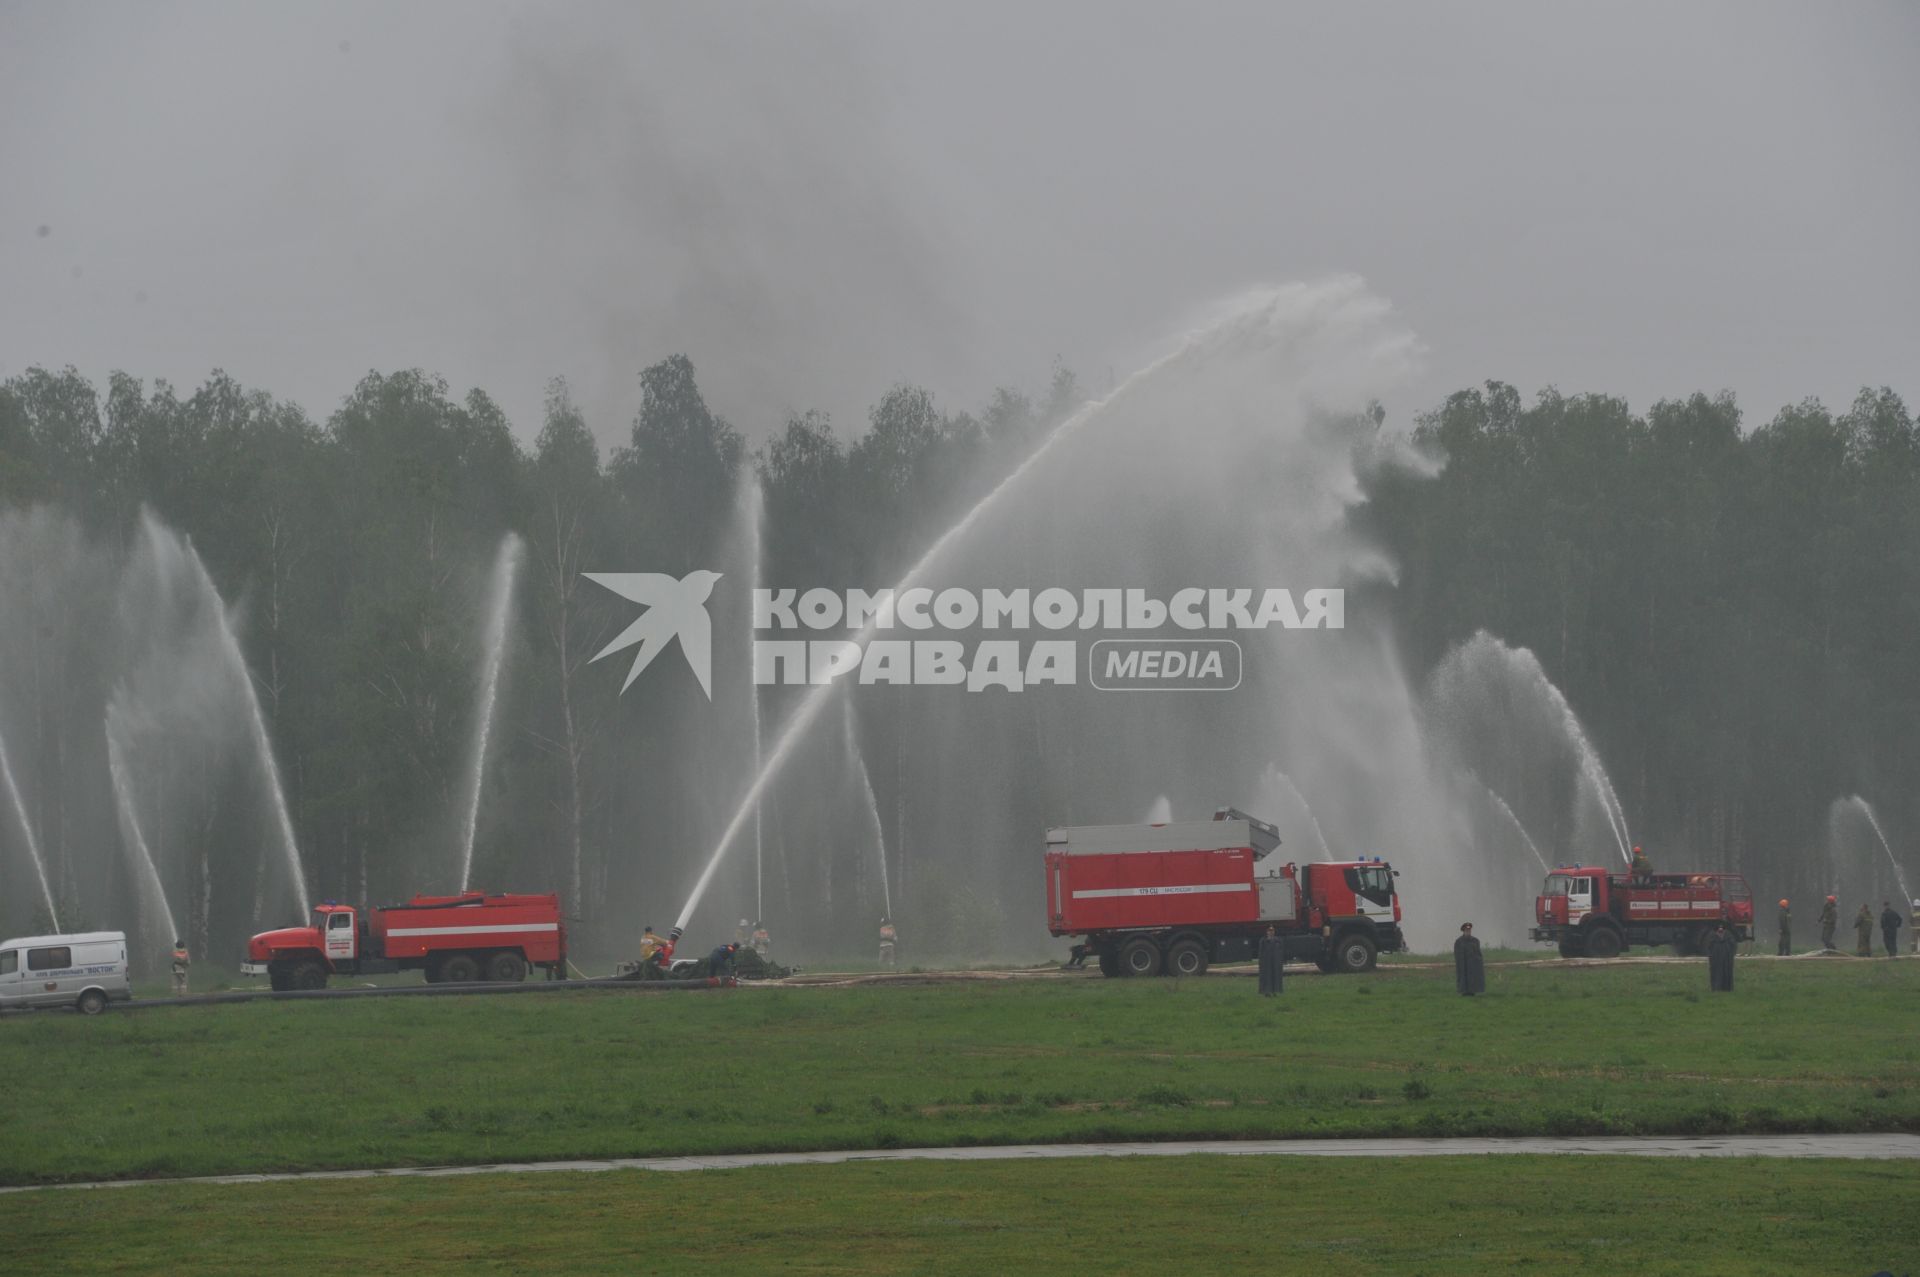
(1588, 1050)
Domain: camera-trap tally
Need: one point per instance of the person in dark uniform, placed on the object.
(1720, 950)
(1273, 962)
(1889, 923)
(720, 961)
(1078, 955)
(1829, 919)
(1469, 967)
(1786, 929)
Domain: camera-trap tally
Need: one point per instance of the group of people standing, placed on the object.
(1890, 924)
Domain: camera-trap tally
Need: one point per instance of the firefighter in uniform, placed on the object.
(1889, 926)
(888, 939)
(1913, 928)
(1829, 919)
(1786, 929)
(1642, 867)
(1863, 933)
(651, 942)
(762, 942)
(180, 964)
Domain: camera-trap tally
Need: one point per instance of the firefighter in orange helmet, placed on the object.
(1786, 928)
(1642, 867)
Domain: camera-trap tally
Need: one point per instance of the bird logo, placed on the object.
(676, 609)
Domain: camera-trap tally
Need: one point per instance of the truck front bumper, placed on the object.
(253, 968)
(1543, 933)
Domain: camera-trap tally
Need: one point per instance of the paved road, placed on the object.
(1878, 1147)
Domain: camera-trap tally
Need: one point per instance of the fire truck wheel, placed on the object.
(1570, 948)
(1109, 964)
(506, 968)
(459, 968)
(1188, 957)
(1140, 956)
(309, 975)
(1354, 953)
(92, 1002)
(1603, 943)
(278, 980)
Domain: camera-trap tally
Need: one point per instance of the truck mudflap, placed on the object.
(253, 968)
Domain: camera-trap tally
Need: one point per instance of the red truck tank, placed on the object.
(454, 939)
(1594, 912)
(1173, 898)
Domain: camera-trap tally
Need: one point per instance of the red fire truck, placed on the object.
(1593, 912)
(1170, 899)
(454, 939)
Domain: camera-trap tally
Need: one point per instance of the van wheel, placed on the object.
(1140, 957)
(506, 968)
(92, 1002)
(459, 968)
(1189, 957)
(1604, 942)
(309, 975)
(1354, 953)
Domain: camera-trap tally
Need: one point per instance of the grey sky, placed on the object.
(816, 201)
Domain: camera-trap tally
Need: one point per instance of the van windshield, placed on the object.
(9, 962)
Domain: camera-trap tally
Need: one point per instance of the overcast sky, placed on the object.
(815, 201)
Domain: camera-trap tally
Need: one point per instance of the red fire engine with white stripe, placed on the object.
(454, 939)
(1592, 912)
(1171, 899)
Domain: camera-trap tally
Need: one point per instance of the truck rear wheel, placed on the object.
(506, 968)
(1354, 953)
(309, 975)
(1188, 957)
(1603, 942)
(459, 968)
(1140, 957)
(1109, 963)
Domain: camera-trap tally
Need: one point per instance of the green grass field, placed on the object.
(1190, 1215)
(1617, 1049)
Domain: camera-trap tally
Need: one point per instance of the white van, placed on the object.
(85, 971)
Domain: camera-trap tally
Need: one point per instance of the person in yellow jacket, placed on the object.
(180, 964)
(650, 945)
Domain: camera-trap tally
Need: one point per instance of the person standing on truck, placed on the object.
(1469, 965)
(1720, 950)
(1829, 919)
(1863, 933)
(889, 940)
(1273, 963)
(181, 962)
(1642, 868)
(1889, 924)
(1786, 930)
